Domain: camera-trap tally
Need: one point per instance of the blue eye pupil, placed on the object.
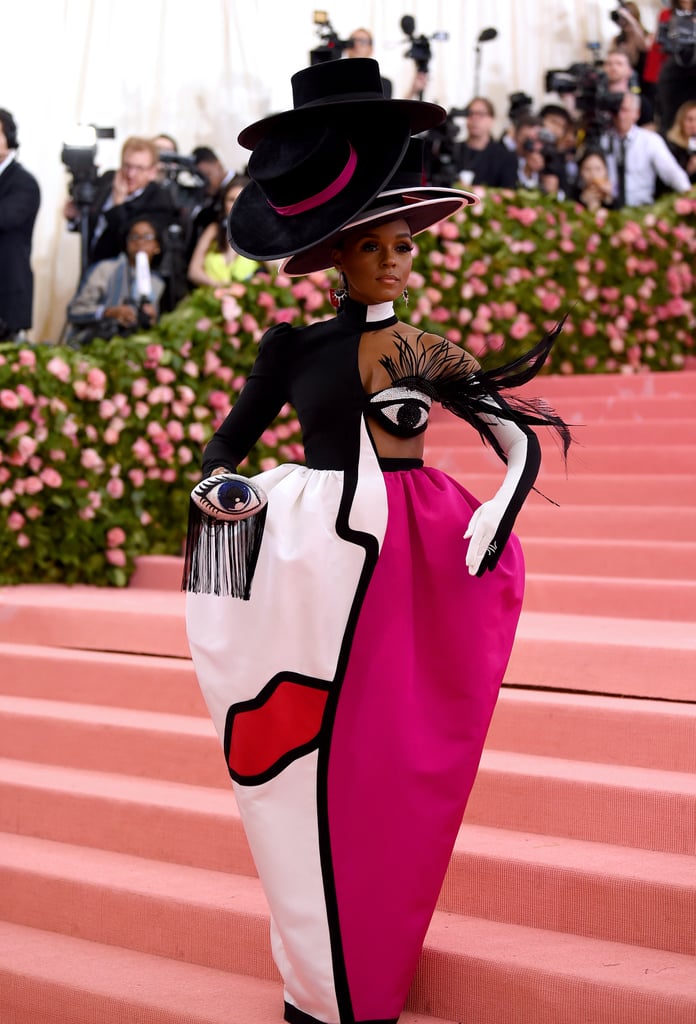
(232, 495)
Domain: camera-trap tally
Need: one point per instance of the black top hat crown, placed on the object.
(349, 88)
(308, 180)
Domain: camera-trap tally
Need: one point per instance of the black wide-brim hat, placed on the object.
(309, 179)
(421, 209)
(404, 197)
(343, 90)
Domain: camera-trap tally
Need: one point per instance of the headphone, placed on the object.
(9, 128)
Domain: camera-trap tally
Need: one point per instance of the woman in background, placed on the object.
(681, 138)
(214, 261)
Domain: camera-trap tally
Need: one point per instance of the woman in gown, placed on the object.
(353, 676)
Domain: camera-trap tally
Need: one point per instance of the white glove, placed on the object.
(491, 524)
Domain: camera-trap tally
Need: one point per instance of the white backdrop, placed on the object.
(203, 70)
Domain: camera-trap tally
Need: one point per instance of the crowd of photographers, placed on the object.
(621, 133)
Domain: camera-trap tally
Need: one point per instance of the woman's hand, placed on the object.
(125, 315)
(481, 531)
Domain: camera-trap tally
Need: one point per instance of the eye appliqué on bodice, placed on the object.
(402, 411)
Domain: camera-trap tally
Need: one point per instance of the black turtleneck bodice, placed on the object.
(315, 368)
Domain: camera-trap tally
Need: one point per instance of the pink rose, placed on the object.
(204, 324)
(136, 477)
(59, 368)
(90, 459)
(196, 432)
(153, 354)
(51, 477)
(115, 488)
(8, 399)
(23, 541)
(27, 358)
(33, 484)
(115, 537)
(117, 557)
(15, 521)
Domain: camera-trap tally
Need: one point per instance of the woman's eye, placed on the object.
(224, 497)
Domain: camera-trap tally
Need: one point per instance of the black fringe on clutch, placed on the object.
(220, 556)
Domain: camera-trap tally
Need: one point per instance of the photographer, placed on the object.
(119, 196)
(620, 77)
(19, 205)
(360, 45)
(480, 159)
(677, 80)
(121, 294)
(633, 38)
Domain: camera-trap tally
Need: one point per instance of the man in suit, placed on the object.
(19, 205)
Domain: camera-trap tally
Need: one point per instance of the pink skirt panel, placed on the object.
(429, 654)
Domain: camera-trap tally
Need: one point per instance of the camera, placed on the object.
(520, 104)
(618, 16)
(330, 46)
(185, 182)
(79, 156)
(677, 37)
(419, 49)
(593, 99)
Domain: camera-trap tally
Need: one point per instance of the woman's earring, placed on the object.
(337, 295)
(404, 295)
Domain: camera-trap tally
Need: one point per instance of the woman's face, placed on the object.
(376, 261)
(689, 123)
(230, 198)
(593, 169)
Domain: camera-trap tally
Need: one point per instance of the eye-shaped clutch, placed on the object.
(227, 515)
(228, 497)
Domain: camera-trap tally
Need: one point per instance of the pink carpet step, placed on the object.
(186, 749)
(650, 459)
(46, 978)
(94, 618)
(637, 896)
(518, 975)
(642, 807)
(539, 518)
(660, 559)
(104, 678)
(589, 652)
(537, 794)
(605, 654)
(220, 920)
(172, 747)
(629, 596)
(586, 727)
(629, 433)
(640, 489)
(513, 977)
(641, 386)
(570, 539)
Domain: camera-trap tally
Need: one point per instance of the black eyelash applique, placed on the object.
(446, 376)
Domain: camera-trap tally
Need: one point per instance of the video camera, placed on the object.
(419, 49)
(520, 104)
(677, 37)
(79, 156)
(181, 176)
(594, 100)
(330, 47)
(440, 150)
